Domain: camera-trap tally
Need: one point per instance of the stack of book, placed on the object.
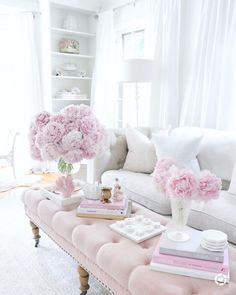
(190, 258)
(98, 209)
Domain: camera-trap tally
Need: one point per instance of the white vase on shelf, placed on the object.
(70, 23)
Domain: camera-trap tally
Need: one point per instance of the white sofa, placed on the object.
(217, 154)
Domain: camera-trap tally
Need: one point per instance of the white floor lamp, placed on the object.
(137, 71)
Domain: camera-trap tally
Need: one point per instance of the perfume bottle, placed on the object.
(117, 194)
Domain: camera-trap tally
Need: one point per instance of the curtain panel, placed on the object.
(193, 46)
(104, 85)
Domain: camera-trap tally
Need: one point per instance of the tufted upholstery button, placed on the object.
(115, 241)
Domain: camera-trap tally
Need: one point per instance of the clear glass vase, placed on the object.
(180, 211)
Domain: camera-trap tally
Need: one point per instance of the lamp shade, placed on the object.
(136, 70)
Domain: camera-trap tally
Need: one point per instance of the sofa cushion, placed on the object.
(232, 187)
(139, 187)
(141, 155)
(217, 150)
(182, 149)
(210, 215)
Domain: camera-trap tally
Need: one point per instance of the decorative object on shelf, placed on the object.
(106, 194)
(71, 94)
(67, 137)
(70, 23)
(183, 186)
(138, 228)
(69, 67)
(69, 46)
(82, 73)
(58, 72)
(75, 90)
(117, 194)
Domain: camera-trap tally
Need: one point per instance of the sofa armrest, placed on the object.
(112, 159)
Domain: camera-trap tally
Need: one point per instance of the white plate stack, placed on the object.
(214, 240)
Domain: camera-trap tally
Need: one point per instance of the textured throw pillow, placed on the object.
(183, 150)
(141, 156)
(232, 187)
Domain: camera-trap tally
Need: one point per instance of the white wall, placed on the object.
(89, 5)
(22, 4)
(110, 4)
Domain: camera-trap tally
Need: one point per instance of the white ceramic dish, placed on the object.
(138, 228)
(214, 236)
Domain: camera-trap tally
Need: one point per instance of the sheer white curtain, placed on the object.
(162, 44)
(20, 91)
(209, 64)
(104, 86)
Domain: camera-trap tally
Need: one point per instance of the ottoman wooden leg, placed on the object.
(84, 277)
(35, 231)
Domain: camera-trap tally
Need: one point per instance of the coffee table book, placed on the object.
(190, 248)
(189, 272)
(98, 204)
(191, 263)
(105, 213)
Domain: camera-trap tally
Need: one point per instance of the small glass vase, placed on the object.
(180, 211)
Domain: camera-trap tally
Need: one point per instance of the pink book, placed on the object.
(211, 266)
(97, 204)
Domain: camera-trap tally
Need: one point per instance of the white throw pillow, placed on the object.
(232, 187)
(183, 150)
(141, 156)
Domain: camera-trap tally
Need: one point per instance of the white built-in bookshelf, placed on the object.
(85, 34)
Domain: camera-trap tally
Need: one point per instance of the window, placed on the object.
(133, 106)
(133, 44)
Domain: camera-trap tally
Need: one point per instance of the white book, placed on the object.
(191, 248)
(102, 211)
(189, 272)
(109, 215)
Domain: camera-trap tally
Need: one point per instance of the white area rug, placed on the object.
(26, 270)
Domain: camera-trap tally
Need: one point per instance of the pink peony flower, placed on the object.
(40, 140)
(162, 173)
(72, 140)
(209, 186)
(53, 132)
(65, 185)
(71, 112)
(72, 157)
(42, 119)
(50, 152)
(35, 152)
(87, 125)
(182, 184)
(70, 126)
(32, 132)
(59, 118)
(84, 110)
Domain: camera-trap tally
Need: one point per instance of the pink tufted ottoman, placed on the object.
(119, 264)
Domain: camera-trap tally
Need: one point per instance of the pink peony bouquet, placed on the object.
(162, 173)
(183, 183)
(68, 136)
